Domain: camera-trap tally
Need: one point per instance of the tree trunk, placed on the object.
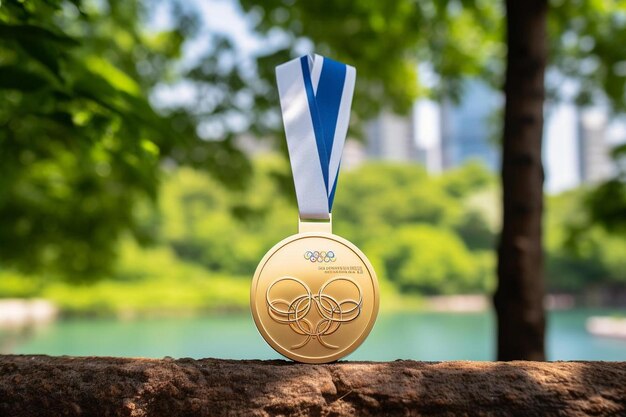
(41, 386)
(519, 297)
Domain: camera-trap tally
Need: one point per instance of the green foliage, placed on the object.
(586, 44)
(221, 230)
(207, 237)
(467, 179)
(386, 41)
(475, 231)
(589, 36)
(408, 222)
(385, 196)
(81, 146)
(228, 233)
(586, 229)
(580, 254)
(425, 235)
(606, 204)
(14, 284)
(431, 260)
(151, 282)
(83, 150)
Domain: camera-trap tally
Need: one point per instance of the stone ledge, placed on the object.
(100, 386)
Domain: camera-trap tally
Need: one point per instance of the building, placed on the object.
(354, 154)
(442, 135)
(391, 137)
(468, 129)
(594, 162)
(427, 122)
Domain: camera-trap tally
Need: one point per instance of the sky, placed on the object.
(560, 134)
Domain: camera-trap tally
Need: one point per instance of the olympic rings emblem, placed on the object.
(332, 311)
(320, 256)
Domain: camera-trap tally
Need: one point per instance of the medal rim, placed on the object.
(270, 340)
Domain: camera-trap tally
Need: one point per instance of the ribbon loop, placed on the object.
(315, 99)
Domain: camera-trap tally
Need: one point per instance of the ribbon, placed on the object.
(315, 99)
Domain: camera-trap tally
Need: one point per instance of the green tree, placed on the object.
(580, 254)
(431, 260)
(606, 204)
(81, 146)
(199, 220)
(203, 221)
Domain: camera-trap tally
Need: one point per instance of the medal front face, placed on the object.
(314, 297)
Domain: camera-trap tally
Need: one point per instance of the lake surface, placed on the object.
(417, 335)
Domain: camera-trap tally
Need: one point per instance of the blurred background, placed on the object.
(143, 172)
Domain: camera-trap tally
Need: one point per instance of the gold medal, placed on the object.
(314, 296)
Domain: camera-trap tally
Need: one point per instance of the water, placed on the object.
(421, 336)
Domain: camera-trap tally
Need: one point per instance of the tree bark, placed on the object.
(519, 297)
(64, 386)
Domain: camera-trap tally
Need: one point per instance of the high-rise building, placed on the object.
(467, 127)
(353, 154)
(594, 162)
(443, 135)
(427, 115)
(391, 137)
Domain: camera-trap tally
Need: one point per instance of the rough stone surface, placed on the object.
(98, 386)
